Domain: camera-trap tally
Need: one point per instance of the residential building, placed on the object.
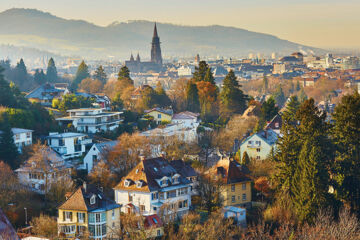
(275, 124)
(88, 209)
(188, 172)
(45, 94)
(179, 130)
(22, 137)
(259, 145)
(92, 120)
(187, 119)
(160, 114)
(69, 144)
(7, 231)
(95, 153)
(154, 185)
(236, 189)
(39, 174)
(185, 71)
(151, 226)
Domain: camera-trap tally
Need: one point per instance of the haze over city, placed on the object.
(317, 23)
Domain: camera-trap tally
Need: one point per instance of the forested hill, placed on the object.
(33, 28)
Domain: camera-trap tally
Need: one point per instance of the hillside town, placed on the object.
(262, 147)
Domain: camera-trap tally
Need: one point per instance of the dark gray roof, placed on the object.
(183, 169)
(105, 145)
(45, 91)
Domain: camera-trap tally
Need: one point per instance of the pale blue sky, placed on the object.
(322, 23)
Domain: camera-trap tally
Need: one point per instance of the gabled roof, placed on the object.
(185, 115)
(80, 200)
(268, 136)
(169, 112)
(105, 145)
(44, 92)
(230, 171)
(20, 130)
(6, 229)
(184, 169)
(148, 171)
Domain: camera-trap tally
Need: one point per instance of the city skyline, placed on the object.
(318, 23)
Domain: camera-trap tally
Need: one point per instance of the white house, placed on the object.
(154, 186)
(22, 137)
(259, 145)
(92, 120)
(69, 144)
(182, 132)
(94, 154)
(39, 175)
(187, 119)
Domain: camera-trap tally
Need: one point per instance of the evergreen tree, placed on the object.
(124, 73)
(8, 150)
(346, 138)
(245, 159)
(100, 74)
(51, 72)
(302, 95)
(19, 74)
(279, 96)
(81, 73)
(21, 68)
(200, 71)
(269, 109)
(311, 178)
(265, 84)
(7, 98)
(209, 76)
(233, 99)
(287, 152)
(298, 86)
(39, 77)
(192, 98)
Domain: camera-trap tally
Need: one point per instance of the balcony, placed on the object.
(86, 141)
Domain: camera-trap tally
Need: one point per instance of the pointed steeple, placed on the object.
(131, 58)
(155, 31)
(138, 58)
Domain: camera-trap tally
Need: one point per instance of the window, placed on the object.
(158, 232)
(159, 115)
(68, 229)
(127, 182)
(81, 217)
(113, 214)
(276, 125)
(154, 208)
(249, 142)
(171, 194)
(233, 187)
(139, 184)
(258, 150)
(233, 199)
(92, 199)
(162, 196)
(244, 197)
(17, 136)
(244, 186)
(142, 208)
(28, 135)
(154, 196)
(183, 191)
(97, 217)
(67, 216)
(258, 158)
(130, 198)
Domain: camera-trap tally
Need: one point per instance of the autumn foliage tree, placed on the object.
(89, 85)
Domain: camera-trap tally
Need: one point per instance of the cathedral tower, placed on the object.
(155, 48)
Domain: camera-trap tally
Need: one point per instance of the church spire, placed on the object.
(131, 58)
(155, 48)
(155, 35)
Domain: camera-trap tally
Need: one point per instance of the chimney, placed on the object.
(84, 186)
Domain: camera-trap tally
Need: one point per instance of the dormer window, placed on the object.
(92, 199)
(127, 182)
(163, 182)
(176, 179)
(139, 184)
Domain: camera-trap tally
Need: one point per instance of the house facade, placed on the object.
(22, 137)
(236, 184)
(88, 210)
(92, 120)
(69, 145)
(39, 175)
(160, 115)
(259, 145)
(45, 94)
(187, 119)
(154, 186)
(95, 153)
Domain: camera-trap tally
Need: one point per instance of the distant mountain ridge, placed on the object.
(37, 29)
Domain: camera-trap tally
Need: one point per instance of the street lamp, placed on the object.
(25, 216)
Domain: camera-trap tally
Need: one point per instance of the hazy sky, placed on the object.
(321, 23)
